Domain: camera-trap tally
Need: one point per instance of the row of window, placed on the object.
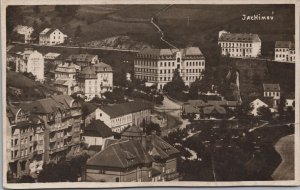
(281, 49)
(166, 71)
(232, 44)
(165, 79)
(271, 93)
(237, 50)
(23, 152)
(167, 64)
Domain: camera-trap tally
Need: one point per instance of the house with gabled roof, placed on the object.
(148, 159)
(285, 51)
(272, 91)
(51, 36)
(239, 45)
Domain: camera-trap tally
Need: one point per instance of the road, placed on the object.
(285, 147)
(172, 110)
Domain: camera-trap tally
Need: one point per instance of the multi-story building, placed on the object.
(239, 45)
(51, 56)
(84, 60)
(120, 116)
(157, 66)
(150, 159)
(272, 91)
(95, 80)
(285, 51)
(66, 86)
(24, 30)
(66, 70)
(51, 36)
(31, 62)
(42, 131)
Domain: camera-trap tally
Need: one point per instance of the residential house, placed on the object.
(41, 131)
(239, 45)
(255, 105)
(157, 66)
(151, 159)
(84, 60)
(51, 56)
(96, 132)
(120, 116)
(31, 61)
(272, 91)
(25, 31)
(132, 132)
(95, 80)
(66, 70)
(51, 36)
(66, 86)
(285, 51)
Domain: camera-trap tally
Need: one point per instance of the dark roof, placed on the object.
(283, 44)
(49, 105)
(102, 67)
(161, 149)
(211, 109)
(155, 172)
(126, 108)
(189, 51)
(89, 107)
(95, 148)
(88, 73)
(97, 128)
(122, 154)
(271, 87)
(132, 131)
(81, 57)
(238, 37)
(49, 31)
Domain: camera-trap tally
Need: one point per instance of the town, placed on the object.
(101, 112)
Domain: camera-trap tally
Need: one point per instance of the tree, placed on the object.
(265, 113)
(36, 9)
(78, 31)
(281, 106)
(176, 87)
(149, 128)
(14, 16)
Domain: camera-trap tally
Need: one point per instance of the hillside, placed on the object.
(21, 88)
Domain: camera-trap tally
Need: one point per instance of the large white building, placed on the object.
(120, 116)
(157, 66)
(24, 30)
(66, 70)
(285, 51)
(31, 61)
(95, 80)
(51, 36)
(239, 45)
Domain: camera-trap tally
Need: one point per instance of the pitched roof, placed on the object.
(88, 73)
(102, 67)
(82, 57)
(126, 108)
(97, 128)
(49, 105)
(283, 44)
(189, 51)
(132, 131)
(122, 154)
(47, 31)
(211, 109)
(271, 87)
(89, 107)
(239, 37)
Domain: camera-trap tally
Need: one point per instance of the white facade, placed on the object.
(66, 70)
(285, 51)
(255, 105)
(26, 31)
(95, 80)
(99, 141)
(31, 62)
(50, 36)
(117, 124)
(239, 45)
(157, 66)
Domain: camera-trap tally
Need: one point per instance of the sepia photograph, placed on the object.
(97, 94)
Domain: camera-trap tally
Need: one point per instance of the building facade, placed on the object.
(95, 80)
(66, 70)
(42, 131)
(272, 91)
(66, 86)
(24, 30)
(84, 60)
(120, 116)
(31, 61)
(239, 45)
(151, 159)
(51, 36)
(285, 51)
(157, 66)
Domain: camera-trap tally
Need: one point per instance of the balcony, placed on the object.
(172, 176)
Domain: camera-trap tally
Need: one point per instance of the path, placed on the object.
(162, 35)
(285, 147)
